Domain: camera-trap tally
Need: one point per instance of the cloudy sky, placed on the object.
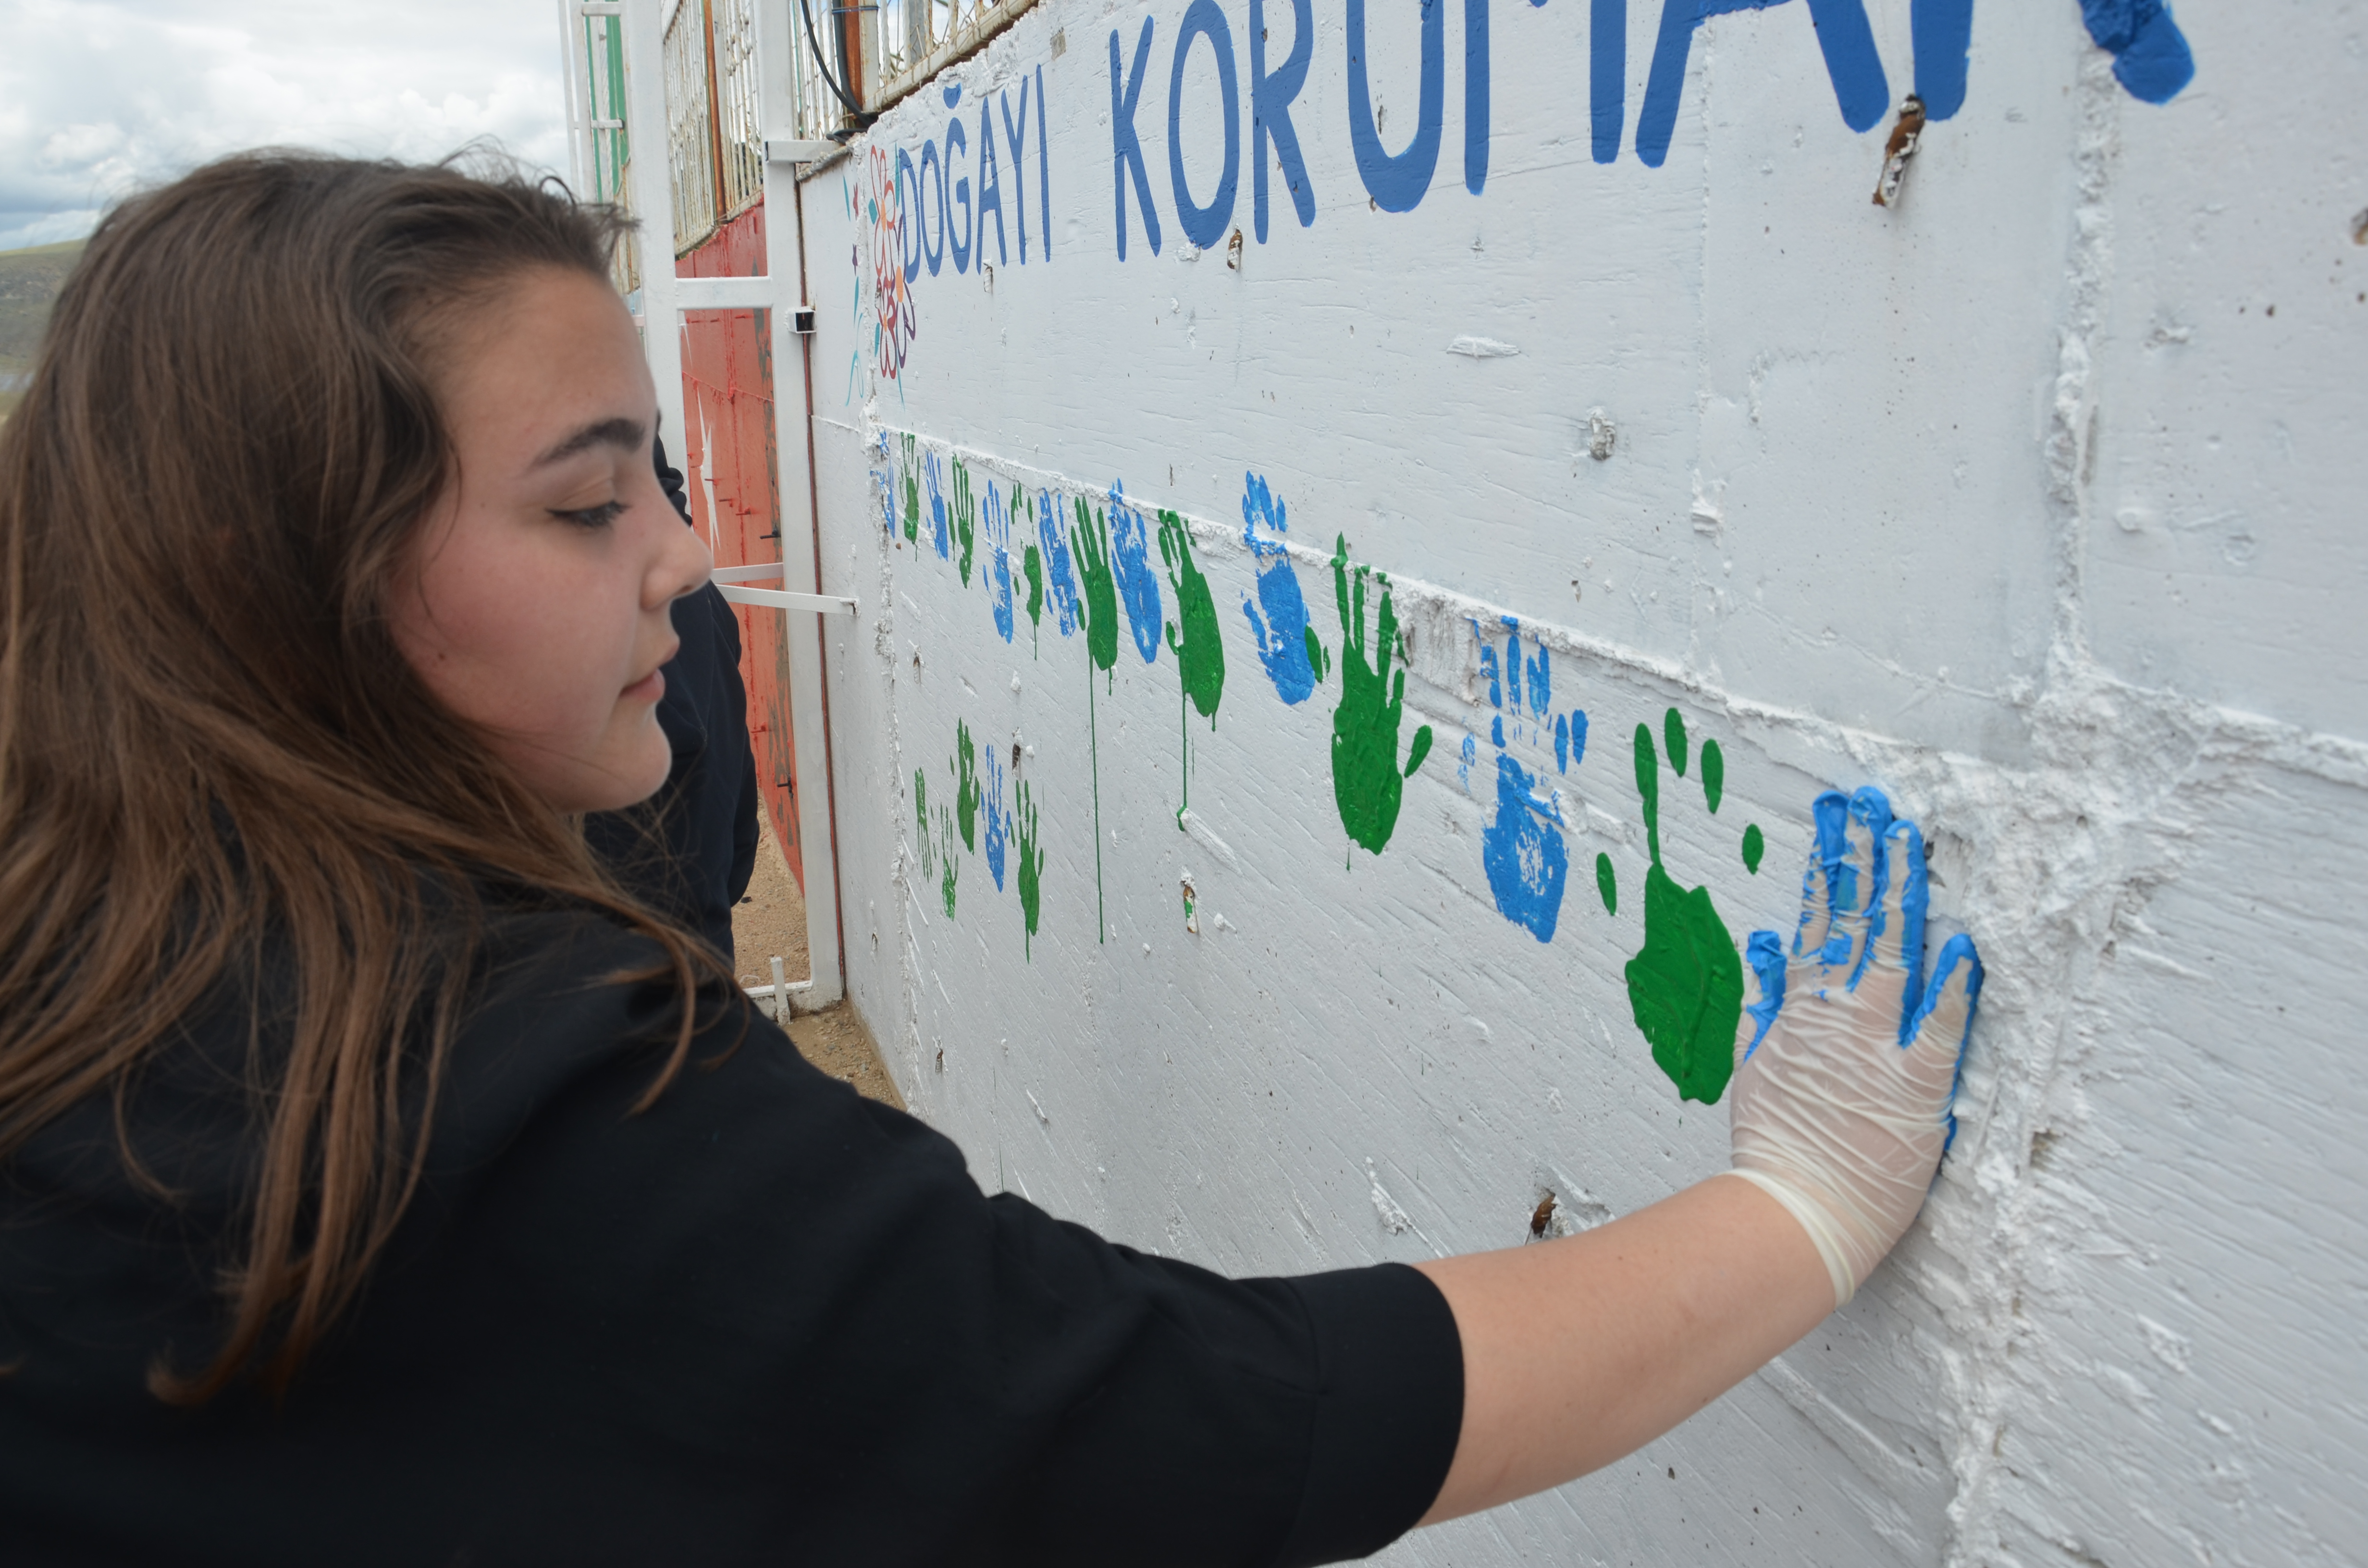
(99, 98)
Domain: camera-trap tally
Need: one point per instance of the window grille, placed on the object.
(813, 111)
(894, 27)
(740, 138)
(715, 132)
(691, 125)
(920, 37)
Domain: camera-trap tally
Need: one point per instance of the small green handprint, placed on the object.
(1685, 986)
(1367, 781)
(1198, 654)
(966, 794)
(1031, 566)
(966, 520)
(909, 468)
(1031, 870)
(1090, 540)
(950, 861)
(925, 836)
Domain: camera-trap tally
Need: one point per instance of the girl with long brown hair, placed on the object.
(380, 1183)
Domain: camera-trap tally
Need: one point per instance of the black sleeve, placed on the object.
(761, 1321)
(791, 1314)
(736, 755)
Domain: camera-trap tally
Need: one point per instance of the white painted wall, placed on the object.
(2032, 500)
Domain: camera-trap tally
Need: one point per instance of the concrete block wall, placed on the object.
(2032, 498)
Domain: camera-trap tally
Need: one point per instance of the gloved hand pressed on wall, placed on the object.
(1845, 1068)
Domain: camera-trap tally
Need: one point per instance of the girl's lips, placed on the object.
(652, 687)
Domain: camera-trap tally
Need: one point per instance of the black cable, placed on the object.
(827, 79)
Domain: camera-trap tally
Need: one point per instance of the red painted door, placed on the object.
(734, 475)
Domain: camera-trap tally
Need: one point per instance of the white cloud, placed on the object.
(100, 97)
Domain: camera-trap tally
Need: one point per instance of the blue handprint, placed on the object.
(1286, 643)
(939, 535)
(1523, 851)
(998, 821)
(1138, 580)
(998, 567)
(1533, 695)
(1524, 854)
(1060, 576)
(1864, 905)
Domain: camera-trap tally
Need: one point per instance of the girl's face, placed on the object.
(537, 601)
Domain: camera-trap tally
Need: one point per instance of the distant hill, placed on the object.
(28, 282)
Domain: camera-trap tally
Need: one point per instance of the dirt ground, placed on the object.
(770, 921)
(771, 918)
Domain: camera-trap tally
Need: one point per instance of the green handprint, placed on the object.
(1367, 781)
(1032, 870)
(966, 795)
(1031, 566)
(952, 862)
(1685, 986)
(910, 468)
(1198, 654)
(1090, 540)
(924, 836)
(965, 519)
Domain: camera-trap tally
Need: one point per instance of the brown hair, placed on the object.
(209, 740)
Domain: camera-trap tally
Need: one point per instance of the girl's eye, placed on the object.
(599, 517)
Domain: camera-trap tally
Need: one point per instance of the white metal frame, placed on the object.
(663, 299)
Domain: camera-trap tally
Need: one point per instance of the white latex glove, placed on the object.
(1844, 1079)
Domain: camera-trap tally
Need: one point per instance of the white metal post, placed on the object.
(575, 78)
(800, 553)
(652, 187)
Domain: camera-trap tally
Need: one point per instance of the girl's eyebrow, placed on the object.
(625, 434)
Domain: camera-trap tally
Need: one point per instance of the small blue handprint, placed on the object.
(1523, 851)
(998, 819)
(1865, 904)
(998, 566)
(1138, 580)
(939, 534)
(1060, 575)
(1285, 646)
